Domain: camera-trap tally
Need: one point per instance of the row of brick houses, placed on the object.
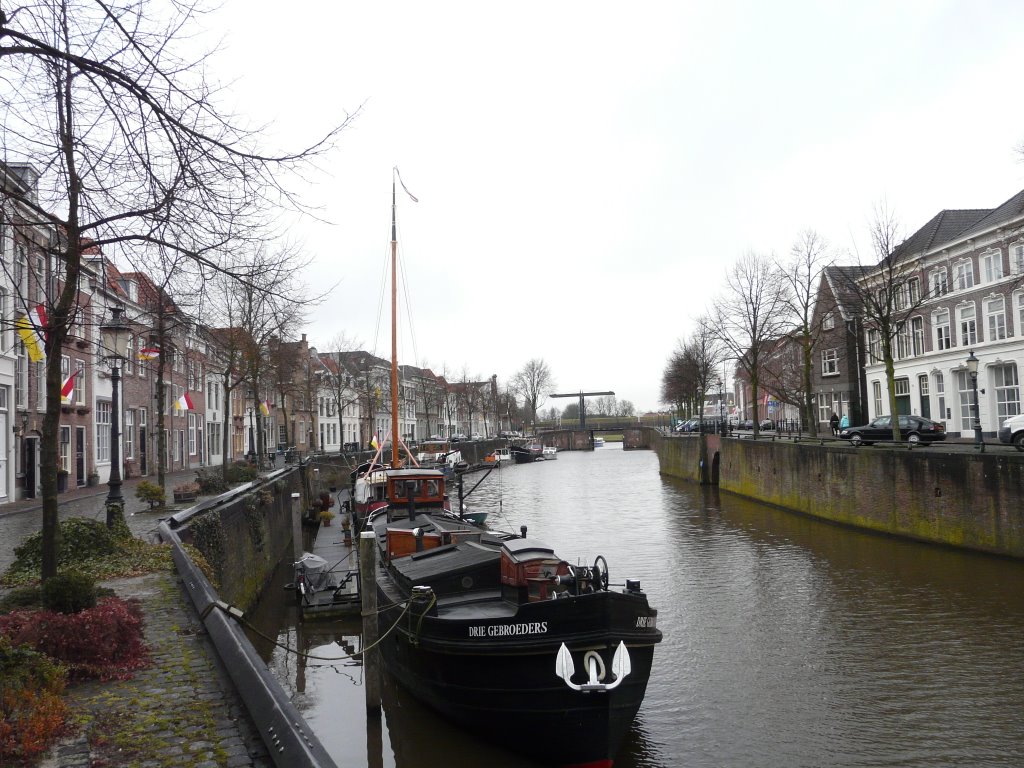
(306, 400)
(961, 280)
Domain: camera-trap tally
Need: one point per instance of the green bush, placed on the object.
(149, 492)
(211, 481)
(22, 597)
(90, 547)
(69, 592)
(242, 472)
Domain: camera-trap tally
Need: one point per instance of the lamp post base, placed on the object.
(115, 514)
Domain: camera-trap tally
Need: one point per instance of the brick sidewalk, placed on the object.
(183, 709)
(96, 491)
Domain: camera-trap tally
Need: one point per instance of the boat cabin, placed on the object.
(530, 571)
(421, 487)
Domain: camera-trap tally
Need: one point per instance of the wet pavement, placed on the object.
(183, 709)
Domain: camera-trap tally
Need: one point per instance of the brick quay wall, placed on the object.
(970, 500)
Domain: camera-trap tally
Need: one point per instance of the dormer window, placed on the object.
(131, 288)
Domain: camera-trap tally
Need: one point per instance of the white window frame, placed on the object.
(995, 318)
(940, 324)
(191, 433)
(129, 359)
(830, 362)
(938, 282)
(1017, 258)
(64, 451)
(963, 275)
(874, 345)
(103, 417)
(876, 391)
(80, 382)
(917, 336)
(992, 266)
(940, 394)
(1006, 383)
(967, 325)
(829, 321)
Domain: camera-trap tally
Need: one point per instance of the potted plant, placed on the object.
(185, 492)
(326, 516)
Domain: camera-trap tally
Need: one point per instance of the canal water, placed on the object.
(788, 641)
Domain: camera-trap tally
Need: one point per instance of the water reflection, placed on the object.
(788, 641)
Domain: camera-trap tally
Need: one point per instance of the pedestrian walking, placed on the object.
(834, 423)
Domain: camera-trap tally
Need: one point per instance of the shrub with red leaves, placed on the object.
(103, 643)
(32, 712)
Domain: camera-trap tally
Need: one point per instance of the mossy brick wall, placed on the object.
(970, 500)
(243, 542)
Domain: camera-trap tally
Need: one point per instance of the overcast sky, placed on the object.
(588, 171)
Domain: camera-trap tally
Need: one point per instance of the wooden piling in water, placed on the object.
(297, 526)
(368, 594)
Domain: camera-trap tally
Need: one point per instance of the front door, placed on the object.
(80, 456)
(29, 446)
(926, 400)
(143, 470)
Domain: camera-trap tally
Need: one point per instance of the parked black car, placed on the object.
(913, 429)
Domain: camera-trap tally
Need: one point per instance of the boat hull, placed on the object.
(496, 676)
(526, 455)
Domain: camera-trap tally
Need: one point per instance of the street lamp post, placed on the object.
(972, 369)
(114, 340)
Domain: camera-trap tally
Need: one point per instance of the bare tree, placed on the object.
(252, 310)
(887, 295)
(802, 273)
(471, 395)
(751, 315)
(132, 150)
(534, 382)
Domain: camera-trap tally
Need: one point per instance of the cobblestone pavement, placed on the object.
(183, 710)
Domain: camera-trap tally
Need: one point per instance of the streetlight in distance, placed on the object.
(972, 369)
(114, 341)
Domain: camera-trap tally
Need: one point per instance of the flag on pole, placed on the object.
(68, 388)
(373, 443)
(184, 403)
(30, 328)
(149, 353)
(410, 194)
(265, 407)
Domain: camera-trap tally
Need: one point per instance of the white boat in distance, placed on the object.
(549, 452)
(598, 442)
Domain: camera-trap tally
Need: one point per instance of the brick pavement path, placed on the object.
(183, 710)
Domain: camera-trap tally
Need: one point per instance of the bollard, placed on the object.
(368, 595)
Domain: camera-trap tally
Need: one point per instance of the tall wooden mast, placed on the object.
(395, 460)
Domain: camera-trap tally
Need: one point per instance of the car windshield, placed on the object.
(881, 421)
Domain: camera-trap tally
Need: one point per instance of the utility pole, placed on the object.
(581, 396)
